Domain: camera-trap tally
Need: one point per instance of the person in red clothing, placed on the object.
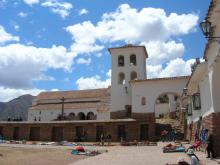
(162, 134)
(197, 145)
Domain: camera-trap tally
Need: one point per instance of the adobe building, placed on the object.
(126, 110)
(202, 93)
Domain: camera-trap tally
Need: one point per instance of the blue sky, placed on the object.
(62, 44)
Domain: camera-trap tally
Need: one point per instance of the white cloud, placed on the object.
(83, 12)
(161, 52)
(43, 77)
(31, 62)
(54, 89)
(58, 7)
(22, 14)
(31, 2)
(109, 73)
(8, 94)
(151, 27)
(16, 27)
(98, 54)
(153, 71)
(176, 67)
(6, 37)
(94, 82)
(132, 26)
(84, 37)
(84, 61)
(29, 43)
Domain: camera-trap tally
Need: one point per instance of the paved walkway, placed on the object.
(141, 155)
(123, 155)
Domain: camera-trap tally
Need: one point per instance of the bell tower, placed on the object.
(128, 63)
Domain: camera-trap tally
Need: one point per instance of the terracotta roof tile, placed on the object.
(79, 94)
(81, 99)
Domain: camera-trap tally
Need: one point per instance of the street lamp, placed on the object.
(207, 30)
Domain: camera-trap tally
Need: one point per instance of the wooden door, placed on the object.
(144, 132)
(57, 134)
(34, 133)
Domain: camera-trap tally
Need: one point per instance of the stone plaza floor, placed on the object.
(140, 155)
(116, 155)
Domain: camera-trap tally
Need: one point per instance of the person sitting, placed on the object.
(181, 161)
(197, 145)
(194, 160)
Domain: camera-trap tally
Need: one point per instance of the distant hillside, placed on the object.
(16, 108)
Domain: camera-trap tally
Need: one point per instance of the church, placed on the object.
(130, 95)
(127, 108)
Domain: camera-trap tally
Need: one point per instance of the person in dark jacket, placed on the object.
(209, 145)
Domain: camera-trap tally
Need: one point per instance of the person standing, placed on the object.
(109, 139)
(209, 145)
(102, 139)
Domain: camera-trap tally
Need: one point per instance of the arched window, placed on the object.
(81, 116)
(121, 60)
(133, 59)
(71, 116)
(133, 75)
(90, 116)
(143, 101)
(121, 78)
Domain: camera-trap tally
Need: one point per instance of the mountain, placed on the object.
(16, 108)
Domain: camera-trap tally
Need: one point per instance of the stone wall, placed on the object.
(132, 130)
(211, 122)
(123, 114)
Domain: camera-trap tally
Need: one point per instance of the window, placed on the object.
(121, 78)
(189, 109)
(71, 116)
(90, 116)
(128, 111)
(133, 59)
(121, 60)
(81, 116)
(143, 101)
(176, 98)
(133, 75)
(196, 101)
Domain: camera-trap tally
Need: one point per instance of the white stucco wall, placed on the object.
(209, 93)
(119, 96)
(216, 85)
(152, 89)
(48, 115)
(212, 55)
(205, 94)
(172, 103)
(161, 109)
(103, 115)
